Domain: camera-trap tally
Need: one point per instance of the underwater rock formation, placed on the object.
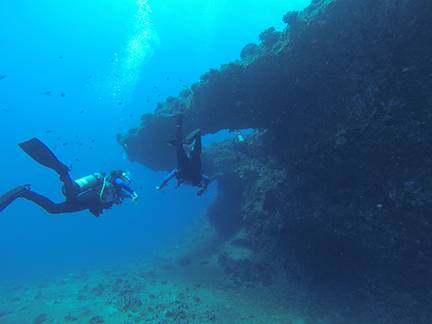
(336, 182)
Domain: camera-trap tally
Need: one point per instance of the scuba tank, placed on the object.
(89, 181)
(85, 183)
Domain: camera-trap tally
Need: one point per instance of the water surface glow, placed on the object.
(139, 49)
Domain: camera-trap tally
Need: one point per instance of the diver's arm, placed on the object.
(125, 194)
(126, 191)
(168, 178)
(123, 185)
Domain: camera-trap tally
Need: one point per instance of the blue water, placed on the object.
(112, 61)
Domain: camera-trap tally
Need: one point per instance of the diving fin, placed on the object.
(43, 155)
(11, 195)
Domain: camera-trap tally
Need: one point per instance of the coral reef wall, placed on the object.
(337, 176)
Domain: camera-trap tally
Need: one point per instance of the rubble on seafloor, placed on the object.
(138, 293)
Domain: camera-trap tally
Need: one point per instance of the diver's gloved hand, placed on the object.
(135, 197)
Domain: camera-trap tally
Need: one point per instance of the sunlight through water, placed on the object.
(138, 50)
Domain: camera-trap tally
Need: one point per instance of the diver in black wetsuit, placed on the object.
(95, 192)
(188, 165)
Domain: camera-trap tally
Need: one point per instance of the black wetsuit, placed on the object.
(188, 167)
(75, 201)
(114, 189)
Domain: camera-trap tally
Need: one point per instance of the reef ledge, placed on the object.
(335, 184)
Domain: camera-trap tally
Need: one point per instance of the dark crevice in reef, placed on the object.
(335, 185)
(225, 213)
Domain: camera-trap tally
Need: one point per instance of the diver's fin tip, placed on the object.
(41, 153)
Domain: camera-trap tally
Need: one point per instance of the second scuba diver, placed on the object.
(188, 164)
(95, 192)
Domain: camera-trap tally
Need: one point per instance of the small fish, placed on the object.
(93, 140)
(3, 76)
(82, 112)
(155, 87)
(62, 94)
(65, 144)
(47, 93)
(167, 78)
(48, 131)
(5, 110)
(58, 138)
(60, 57)
(89, 76)
(120, 103)
(77, 160)
(81, 144)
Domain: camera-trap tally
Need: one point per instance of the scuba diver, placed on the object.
(95, 192)
(188, 165)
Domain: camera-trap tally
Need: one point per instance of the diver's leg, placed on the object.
(182, 159)
(197, 148)
(12, 195)
(195, 161)
(70, 187)
(49, 205)
(179, 131)
(191, 137)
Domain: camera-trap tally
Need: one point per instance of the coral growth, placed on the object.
(335, 183)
